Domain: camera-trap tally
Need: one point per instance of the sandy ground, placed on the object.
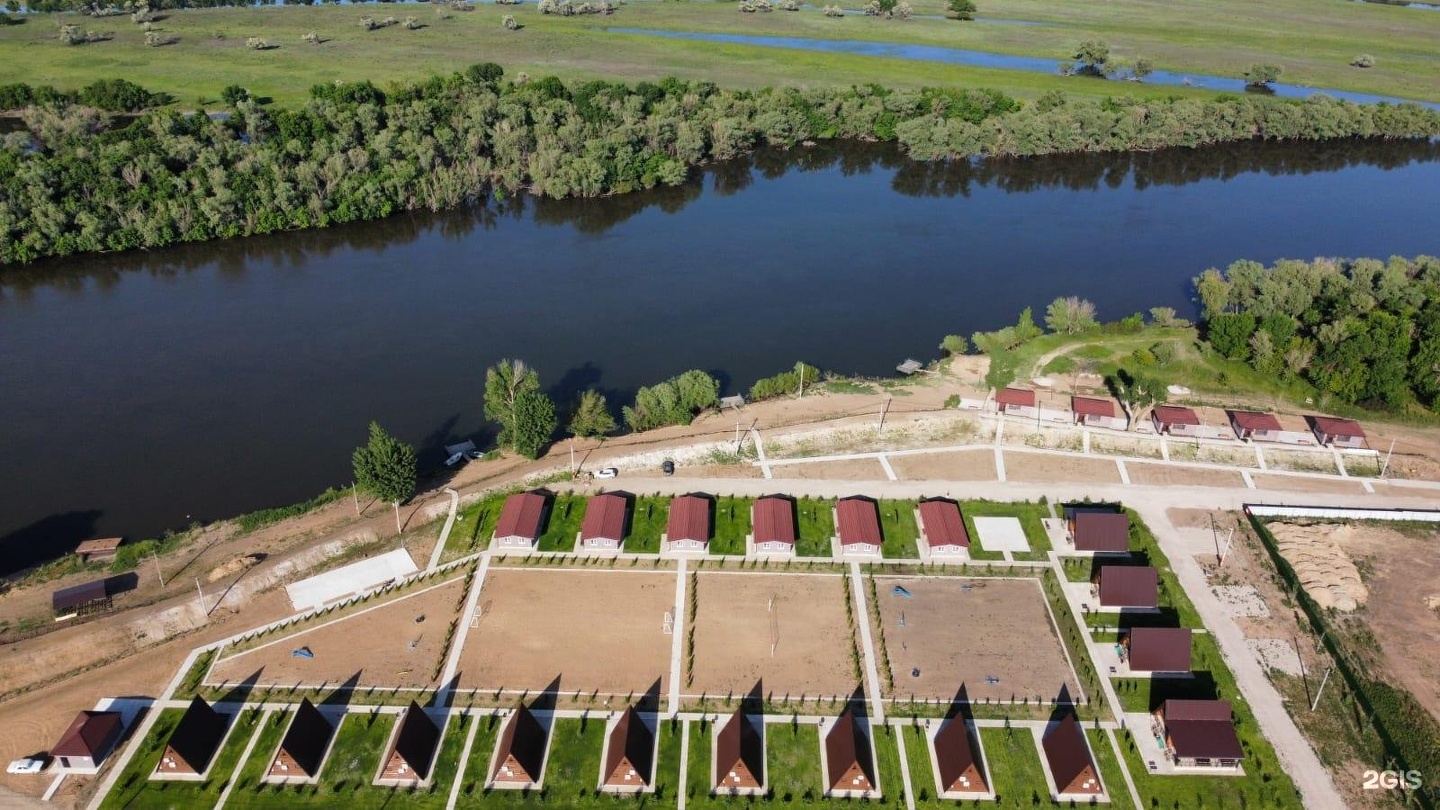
(1299, 461)
(1297, 483)
(594, 630)
(1160, 475)
(860, 469)
(1000, 628)
(967, 465)
(1044, 469)
(385, 659)
(733, 634)
(746, 470)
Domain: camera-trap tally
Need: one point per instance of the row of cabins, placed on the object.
(690, 524)
(1177, 420)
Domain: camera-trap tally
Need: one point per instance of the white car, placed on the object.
(26, 765)
(608, 472)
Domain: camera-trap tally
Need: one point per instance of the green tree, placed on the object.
(955, 344)
(591, 416)
(385, 467)
(234, 94)
(1092, 57)
(1213, 290)
(1261, 75)
(675, 401)
(962, 9)
(1229, 334)
(1138, 393)
(534, 423)
(1143, 67)
(1025, 328)
(1070, 315)
(504, 383)
(1165, 317)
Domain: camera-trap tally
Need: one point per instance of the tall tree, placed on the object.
(1139, 394)
(955, 344)
(962, 9)
(1092, 56)
(385, 467)
(533, 423)
(592, 416)
(504, 383)
(1070, 315)
(1261, 75)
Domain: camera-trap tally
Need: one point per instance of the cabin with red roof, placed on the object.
(1338, 432)
(1099, 530)
(1015, 401)
(857, 525)
(957, 761)
(772, 519)
(1157, 650)
(89, 739)
(739, 760)
(603, 528)
(520, 752)
(522, 519)
(687, 527)
(192, 745)
(849, 766)
(1128, 587)
(410, 758)
(1199, 733)
(629, 765)
(942, 529)
(1256, 426)
(1096, 412)
(1176, 420)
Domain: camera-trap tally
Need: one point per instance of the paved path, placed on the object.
(889, 471)
(244, 757)
(857, 588)
(905, 769)
(1124, 768)
(684, 762)
(465, 760)
(457, 645)
(444, 532)
(760, 453)
(677, 635)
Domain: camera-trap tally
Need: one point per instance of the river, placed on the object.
(144, 391)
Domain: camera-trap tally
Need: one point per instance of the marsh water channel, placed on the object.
(147, 390)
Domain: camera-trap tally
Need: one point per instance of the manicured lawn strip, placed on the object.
(897, 526)
(816, 527)
(697, 770)
(474, 526)
(1030, 515)
(133, 791)
(667, 764)
(1015, 774)
(481, 750)
(793, 757)
(566, 515)
(1109, 769)
(260, 755)
(1071, 636)
(732, 524)
(887, 766)
(1263, 785)
(922, 776)
(647, 523)
(1077, 569)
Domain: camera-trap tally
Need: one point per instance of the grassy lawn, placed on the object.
(474, 525)
(816, 527)
(1109, 767)
(793, 757)
(647, 522)
(1030, 515)
(566, 514)
(1075, 643)
(1263, 785)
(888, 767)
(134, 791)
(1015, 774)
(897, 526)
(732, 524)
(265, 745)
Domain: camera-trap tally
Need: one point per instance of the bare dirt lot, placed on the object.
(594, 630)
(967, 465)
(385, 658)
(734, 631)
(1161, 475)
(998, 629)
(1045, 469)
(1298, 483)
(860, 469)
(745, 470)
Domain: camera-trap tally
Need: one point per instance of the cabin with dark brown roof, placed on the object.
(848, 764)
(857, 523)
(193, 744)
(942, 529)
(687, 528)
(739, 755)
(604, 524)
(303, 749)
(1262, 427)
(629, 755)
(1175, 420)
(520, 754)
(521, 520)
(1337, 432)
(1105, 532)
(955, 759)
(1069, 758)
(1128, 586)
(1200, 733)
(1157, 650)
(773, 520)
(412, 749)
(89, 739)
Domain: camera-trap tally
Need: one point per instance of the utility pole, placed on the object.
(158, 575)
(1388, 453)
(355, 493)
(884, 406)
(397, 517)
(1321, 690)
(199, 594)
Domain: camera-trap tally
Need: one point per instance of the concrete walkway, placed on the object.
(444, 532)
(465, 761)
(760, 453)
(677, 635)
(684, 763)
(872, 674)
(905, 769)
(457, 645)
(244, 757)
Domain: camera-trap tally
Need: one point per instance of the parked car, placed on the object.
(454, 459)
(667, 466)
(26, 765)
(608, 472)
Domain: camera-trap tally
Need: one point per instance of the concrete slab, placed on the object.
(1001, 534)
(319, 590)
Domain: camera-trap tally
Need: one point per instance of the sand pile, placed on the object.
(233, 567)
(1316, 553)
(1433, 601)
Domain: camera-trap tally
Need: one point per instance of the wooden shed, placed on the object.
(89, 739)
(605, 520)
(98, 550)
(739, 754)
(303, 749)
(1069, 758)
(412, 749)
(942, 529)
(955, 759)
(773, 520)
(81, 600)
(847, 756)
(193, 743)
(857, 523)
(520, 754)
(522, 519)
(629, 754)
(687, 527)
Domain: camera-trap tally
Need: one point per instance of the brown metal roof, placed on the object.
(1090, 406)
(604, 517)
(1201, 728)
(943, 524)
(774, 519)
(102, 546)
(77, 595)
(303, 748)
(1129, 586)
(689, 519)
(631, 748)
(955, 758)
(1160, 649)
(415, 745)
(522, 749)
(1255, 420)
(1331, 426)
(195, 739)
(1176, 415)
(1015, 396)
(739, 754)
(859, 521)
(1069, 758)
(1102, 531)
(91, 735)
(521, 515)
(847, 755)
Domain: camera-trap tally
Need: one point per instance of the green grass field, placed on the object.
(134, 791)
(1313, 42)
(897, 526)
(732, 524)
(816, 527)
(1030, 515)
(1109, 767)
(566, 514)
(647, 523)
(1016, 775)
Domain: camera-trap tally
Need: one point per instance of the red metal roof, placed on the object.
(1102, 531)
(1255, 420)
(89, 735)
(1201, 728)
(604, 517)
(847, 755)
(1160, 649)
(1089, 406)
(100, 546)
(1129, 586)
(520, 516)
(954, 758)
(943, 524)
(859, 521)
(1176, 415)
(689, 519)
(1331, 426)
(774, 519)
(1015, 396)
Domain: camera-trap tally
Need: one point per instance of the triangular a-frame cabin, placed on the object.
(739, 754)
(193, 743)
(847, 755)
(520, 755)
(630, 754)
(303, 749)
(413, 752)
(955, 758)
